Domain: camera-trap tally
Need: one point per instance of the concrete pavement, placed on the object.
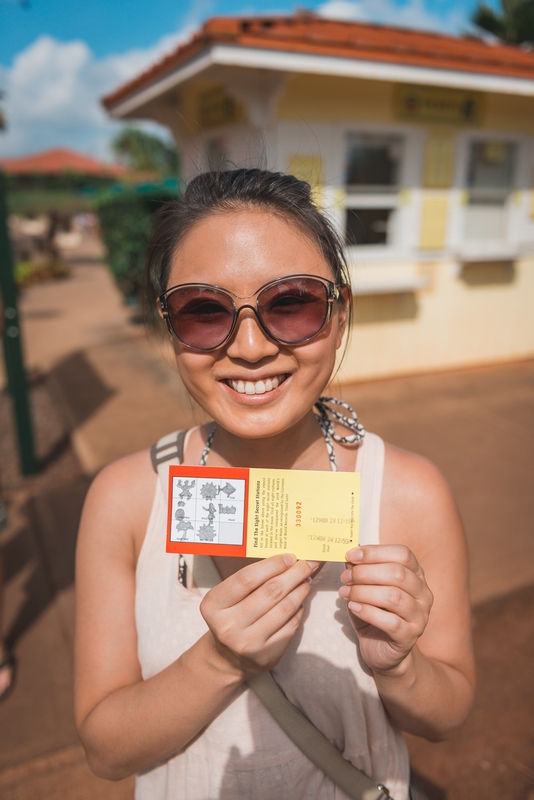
(105, 391)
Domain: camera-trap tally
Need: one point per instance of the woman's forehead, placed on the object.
(246, 244)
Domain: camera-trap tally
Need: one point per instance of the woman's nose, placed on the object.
(249, 341)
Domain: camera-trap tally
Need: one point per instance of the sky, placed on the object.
(59, 57)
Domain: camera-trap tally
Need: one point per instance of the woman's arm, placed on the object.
(127, 724)
(409, 604)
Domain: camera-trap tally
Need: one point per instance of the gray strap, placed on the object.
(168, 448)
(300, 730)
(312, 743)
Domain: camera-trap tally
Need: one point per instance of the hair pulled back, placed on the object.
(233, 190)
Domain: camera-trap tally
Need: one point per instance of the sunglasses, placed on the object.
(290, 310)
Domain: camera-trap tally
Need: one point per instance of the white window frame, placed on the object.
(403, 222)
(509, 245)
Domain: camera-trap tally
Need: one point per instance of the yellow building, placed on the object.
(419, 146)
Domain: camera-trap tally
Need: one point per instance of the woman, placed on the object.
(254, 290)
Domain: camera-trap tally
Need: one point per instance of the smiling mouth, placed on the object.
(256, 387)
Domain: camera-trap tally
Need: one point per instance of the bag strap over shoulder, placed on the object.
(315, 746)
(313, 743)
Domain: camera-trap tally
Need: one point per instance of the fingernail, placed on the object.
(346, 577)
(355, 555)
(356, 607)
(313, 564)
(344, 591)
(289, 559)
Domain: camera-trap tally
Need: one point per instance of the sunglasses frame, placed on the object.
(333, 293)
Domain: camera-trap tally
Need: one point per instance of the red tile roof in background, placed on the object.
(56, 161)
(306, 33)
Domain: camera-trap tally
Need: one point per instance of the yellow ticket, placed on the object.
(256, 513)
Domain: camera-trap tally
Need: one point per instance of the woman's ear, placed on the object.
(160, 310)
(343, 305)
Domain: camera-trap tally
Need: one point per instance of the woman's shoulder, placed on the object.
(120, 500)
(405, 471)
(131, 475)
(417, 503)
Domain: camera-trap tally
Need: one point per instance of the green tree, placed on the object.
(144, 152)
(515, 22)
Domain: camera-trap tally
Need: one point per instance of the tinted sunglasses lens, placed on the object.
(200, 317)
(294, 310)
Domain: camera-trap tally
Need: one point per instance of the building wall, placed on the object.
(477, 315)
(321, 98)
(471, 311)
(421, 303)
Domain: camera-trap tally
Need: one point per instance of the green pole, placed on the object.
(16, 376)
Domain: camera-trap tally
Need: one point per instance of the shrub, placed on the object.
(125, 217)
(28, 272)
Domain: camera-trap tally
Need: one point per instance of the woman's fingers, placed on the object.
(391, 574)
(385, 587)
(388, 598)
(382, 554)
(396, 629)
(277, 618)
(254, 630)
(242, 583)
(275, 593)
(260, 588)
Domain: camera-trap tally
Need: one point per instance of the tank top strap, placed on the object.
(370, 465)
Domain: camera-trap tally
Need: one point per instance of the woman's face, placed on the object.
(241, 251)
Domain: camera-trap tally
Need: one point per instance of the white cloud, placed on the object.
(413, 14)
(53, 89)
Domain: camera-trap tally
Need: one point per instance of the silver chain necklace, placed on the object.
(325, 417)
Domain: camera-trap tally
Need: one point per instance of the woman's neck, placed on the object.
(300, 447)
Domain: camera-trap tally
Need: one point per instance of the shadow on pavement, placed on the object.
(48, 542)
(78, 387)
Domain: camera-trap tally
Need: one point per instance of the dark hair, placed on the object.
(232, 190)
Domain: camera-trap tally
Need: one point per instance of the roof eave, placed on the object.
(339, 66)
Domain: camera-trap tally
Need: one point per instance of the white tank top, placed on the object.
(243, 753)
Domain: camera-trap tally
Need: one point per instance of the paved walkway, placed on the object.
(102, 390)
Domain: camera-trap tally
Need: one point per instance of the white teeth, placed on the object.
(257, 387)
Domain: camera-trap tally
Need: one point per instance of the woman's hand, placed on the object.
(388, 600)
(254, 614)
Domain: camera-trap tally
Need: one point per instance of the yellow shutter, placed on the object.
(433, 223)
(439, 158)
(309, 169)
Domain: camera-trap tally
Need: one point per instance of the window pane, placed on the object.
(373, 161)
(490, 171)
(366, 225)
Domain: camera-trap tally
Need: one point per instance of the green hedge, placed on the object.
(28, 272)
(125, 216)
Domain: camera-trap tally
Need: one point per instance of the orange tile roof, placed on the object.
(56, 161)
(306, 33)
